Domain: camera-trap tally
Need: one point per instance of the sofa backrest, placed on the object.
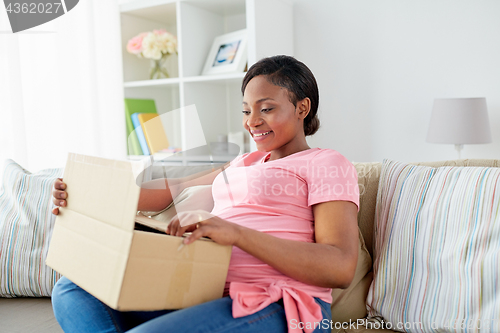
(368, 176)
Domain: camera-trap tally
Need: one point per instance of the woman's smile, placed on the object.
(260, 135)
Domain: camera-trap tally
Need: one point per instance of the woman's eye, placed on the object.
(246, 113)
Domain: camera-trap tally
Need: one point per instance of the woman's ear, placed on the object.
(304, 106)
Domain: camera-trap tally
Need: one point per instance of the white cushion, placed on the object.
(437, 249)
(26, 223)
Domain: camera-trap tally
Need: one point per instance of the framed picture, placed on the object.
(228, 54)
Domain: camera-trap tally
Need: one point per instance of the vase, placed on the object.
(158, 68)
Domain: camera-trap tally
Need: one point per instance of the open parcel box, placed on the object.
(94, 244)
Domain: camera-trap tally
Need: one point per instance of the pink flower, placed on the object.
(153, 45)
(159, 32)
(134, 45)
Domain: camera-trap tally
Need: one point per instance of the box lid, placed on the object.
(92, 181)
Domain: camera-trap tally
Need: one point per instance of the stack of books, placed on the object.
(145, 133)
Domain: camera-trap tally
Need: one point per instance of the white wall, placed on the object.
(61, 88)
(380, 64)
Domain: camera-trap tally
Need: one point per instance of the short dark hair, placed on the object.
(287, 72)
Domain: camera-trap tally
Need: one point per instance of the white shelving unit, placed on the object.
(196, 23)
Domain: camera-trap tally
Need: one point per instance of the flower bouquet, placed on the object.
(157, 45)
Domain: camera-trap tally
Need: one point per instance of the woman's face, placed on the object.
(271, 119)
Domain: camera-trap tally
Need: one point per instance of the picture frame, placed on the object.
(228, 54)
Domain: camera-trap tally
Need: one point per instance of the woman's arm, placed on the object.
(330, 262)
(158, 193)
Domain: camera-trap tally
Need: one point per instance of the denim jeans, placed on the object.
(78, 311)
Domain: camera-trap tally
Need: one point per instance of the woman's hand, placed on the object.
(219, 230)
(186, 221)
(59, 195)
(203, 224)
(175, 228)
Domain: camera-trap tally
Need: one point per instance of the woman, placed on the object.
(290, 212)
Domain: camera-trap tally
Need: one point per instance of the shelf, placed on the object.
(149, 8)
(154, 10)
(217, 98)
(236, 77)
(223, 78)
(152, 83)
(222, 7)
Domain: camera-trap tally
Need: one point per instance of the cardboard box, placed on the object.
(94, 244)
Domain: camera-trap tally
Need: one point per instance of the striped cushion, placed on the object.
(437, 249)
(26, 223)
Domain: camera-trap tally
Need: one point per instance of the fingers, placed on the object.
(59, 185)
(173, 226)
(187, 218)
(197, 234)
(55, 211)
(182, 230)
(175, 229)
(59, 198)
(59, 194)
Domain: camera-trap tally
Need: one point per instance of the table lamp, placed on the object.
(459, 121)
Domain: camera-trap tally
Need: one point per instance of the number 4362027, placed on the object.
(48, 8)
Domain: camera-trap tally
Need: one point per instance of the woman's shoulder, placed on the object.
(333, 161)
(328, 155)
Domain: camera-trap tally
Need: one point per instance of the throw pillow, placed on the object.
(26, 223)
(437, 245)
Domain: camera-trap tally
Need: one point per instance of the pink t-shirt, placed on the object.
(276, 197)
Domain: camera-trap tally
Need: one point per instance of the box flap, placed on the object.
(90, 253)
(102, 189)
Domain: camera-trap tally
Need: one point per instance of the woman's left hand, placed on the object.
(217, 229)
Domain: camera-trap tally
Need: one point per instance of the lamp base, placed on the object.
(459, 147)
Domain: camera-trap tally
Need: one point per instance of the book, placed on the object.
(140, 134)
(153, 131)
(132, 106)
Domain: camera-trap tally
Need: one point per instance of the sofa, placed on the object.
(34, 314)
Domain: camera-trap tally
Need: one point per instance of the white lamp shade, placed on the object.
(459, 121)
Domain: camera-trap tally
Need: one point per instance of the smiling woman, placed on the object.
(288, 210)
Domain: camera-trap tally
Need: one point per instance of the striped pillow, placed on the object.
(26, 223)
(437, 249)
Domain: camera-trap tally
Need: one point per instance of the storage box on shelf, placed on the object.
(196, 23)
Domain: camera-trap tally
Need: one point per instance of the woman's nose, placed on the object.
(254, 119)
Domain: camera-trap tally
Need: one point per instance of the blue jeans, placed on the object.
(78, 311)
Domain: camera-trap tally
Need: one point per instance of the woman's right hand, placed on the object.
(186, 221)
(59, 195)
(175, 229)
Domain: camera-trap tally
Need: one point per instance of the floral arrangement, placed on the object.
(153, 45)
